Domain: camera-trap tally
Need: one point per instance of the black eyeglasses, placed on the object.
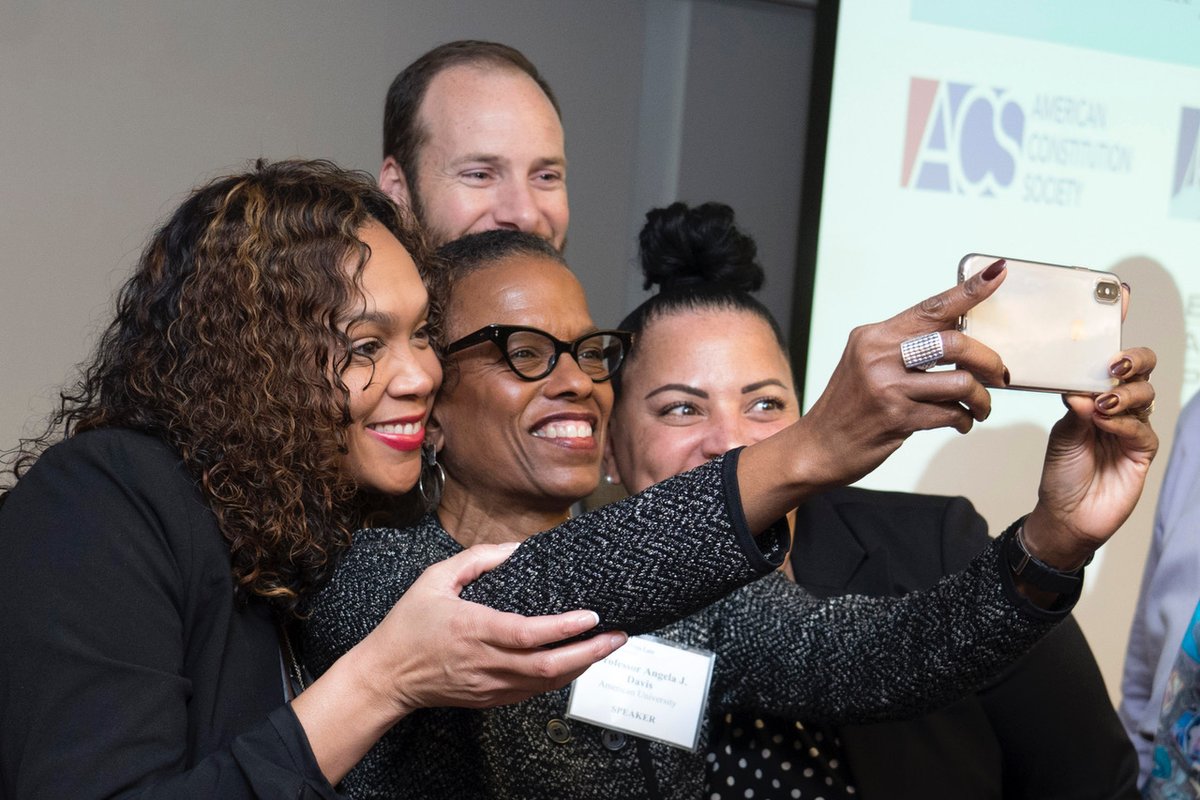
(532, 354)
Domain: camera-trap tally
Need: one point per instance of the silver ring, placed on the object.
(922, 352)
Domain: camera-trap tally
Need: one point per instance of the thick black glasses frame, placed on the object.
(500, 333)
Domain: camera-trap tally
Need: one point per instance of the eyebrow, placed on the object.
(380, 318)
(692, 390)
(375, 317)
(485, 158)
(494, 159)
(678, 387)
(754, 387)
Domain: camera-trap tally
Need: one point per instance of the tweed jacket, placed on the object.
(778, 648)
(1045, 728)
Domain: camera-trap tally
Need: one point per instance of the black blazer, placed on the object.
(1044, 729)
(127, 664)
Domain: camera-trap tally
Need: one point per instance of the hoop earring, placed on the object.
(432, 477)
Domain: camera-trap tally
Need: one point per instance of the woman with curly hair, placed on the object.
(263, 388)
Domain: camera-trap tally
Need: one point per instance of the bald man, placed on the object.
(473, 141)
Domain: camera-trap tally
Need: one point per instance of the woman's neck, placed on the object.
(475, 519)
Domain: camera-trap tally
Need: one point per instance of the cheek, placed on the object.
(363, 391)
(452, 211)
(354, 461)
(603, 392)
(660, 451)
(555, 209)
(475, 416)
(464, 207)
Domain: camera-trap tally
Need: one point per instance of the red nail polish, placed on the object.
(993, 270)
(1007, 377)
(1107, 402)
(1121, 368)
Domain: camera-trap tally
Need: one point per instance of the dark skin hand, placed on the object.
(872, 404)
(1100, 447)
(1097, 456)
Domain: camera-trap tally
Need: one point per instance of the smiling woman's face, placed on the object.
(393, 371)
(697, 385)
(517, 443)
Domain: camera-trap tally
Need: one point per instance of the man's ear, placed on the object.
(393, 182)
(608, 466)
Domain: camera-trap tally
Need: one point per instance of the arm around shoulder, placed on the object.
(645, 561)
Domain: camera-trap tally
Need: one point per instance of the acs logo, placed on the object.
(961, 138)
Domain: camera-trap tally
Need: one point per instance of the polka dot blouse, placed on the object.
(765, 758)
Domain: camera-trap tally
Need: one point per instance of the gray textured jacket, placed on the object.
(641, 563)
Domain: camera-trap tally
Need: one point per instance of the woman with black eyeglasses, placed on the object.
(520, 425)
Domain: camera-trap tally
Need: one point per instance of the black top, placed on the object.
(1044, 729)
(127, 669)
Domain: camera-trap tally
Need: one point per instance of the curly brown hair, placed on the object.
(226, 346)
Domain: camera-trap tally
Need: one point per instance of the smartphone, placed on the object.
(1056, 327)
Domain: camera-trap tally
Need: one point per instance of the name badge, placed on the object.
(650, 688)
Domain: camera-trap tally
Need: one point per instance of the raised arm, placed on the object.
(880, 655)
(1097, 457)
(872, 404)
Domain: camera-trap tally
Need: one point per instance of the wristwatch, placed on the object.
(1026, 566)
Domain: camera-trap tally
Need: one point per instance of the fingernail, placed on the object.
(509, 546)
(1107, 402)
(1007, 377)
(589, 618)
(617, 639)
(1121, 368)
(995, 269)
(1128, 288)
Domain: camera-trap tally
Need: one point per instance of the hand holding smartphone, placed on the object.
(1055, 327)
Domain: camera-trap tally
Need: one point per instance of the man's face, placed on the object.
(492, 158)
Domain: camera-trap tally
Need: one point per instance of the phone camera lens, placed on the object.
(1107, 291)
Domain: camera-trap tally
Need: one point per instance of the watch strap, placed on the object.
(1028, 568)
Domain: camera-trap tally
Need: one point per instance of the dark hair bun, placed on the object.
(690, 247)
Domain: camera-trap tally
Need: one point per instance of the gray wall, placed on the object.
(723, 117)
(110, 112)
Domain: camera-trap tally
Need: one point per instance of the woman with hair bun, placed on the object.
(710, 372)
